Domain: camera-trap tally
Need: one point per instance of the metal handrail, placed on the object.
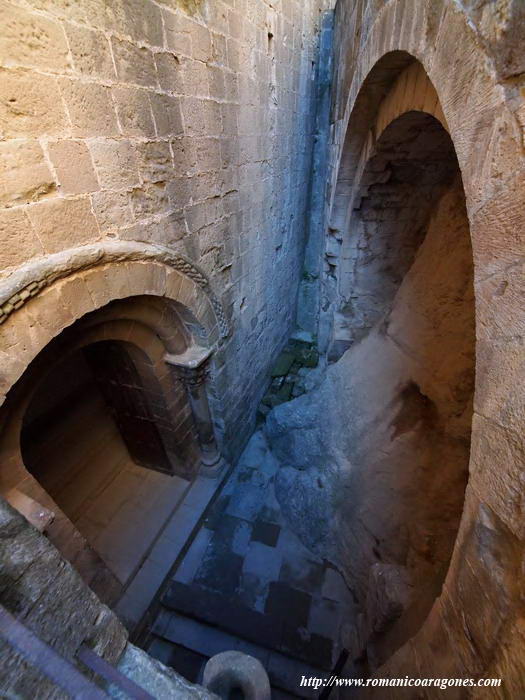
(61, 671)
(111, 674)
(46, 659)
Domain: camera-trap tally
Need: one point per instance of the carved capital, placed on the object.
(192, 366)
(192, 376)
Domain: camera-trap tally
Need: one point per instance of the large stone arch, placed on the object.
(147, 349)
(42, 298)
(157, 305)
(474, 624)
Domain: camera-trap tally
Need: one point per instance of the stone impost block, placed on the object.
(30, 107)
(63, 223)
(115, 162)
(24, 173)
(134, 112)
(90, 108)
(91, 52)
(19, 242)
(73, 165)
(134, 64)
(28, 39)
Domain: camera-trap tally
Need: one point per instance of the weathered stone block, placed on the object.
(134, 64)
(179, 192)
(195, 77)
(115, 162)
(201, 48)
(24, 173)
(169, 72)
(183, 155)
(202, 117)
(30, 107)
(75, 296)
(73, 166)
(91, 52)
(29, 39)
(496, 476)
(168, 230)
(178, 35)
(19, 242)
(173, 284)
(112, 209)
(142, 20)
(90, 108)
(155, 160)
(149, 200)
(63, 223)
(216, 79)
(283, 364)
(134, 112)
(167, 114)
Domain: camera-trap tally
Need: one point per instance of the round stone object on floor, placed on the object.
(233, 671)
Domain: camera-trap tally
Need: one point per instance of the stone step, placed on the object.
(267, 630)
(173, 633)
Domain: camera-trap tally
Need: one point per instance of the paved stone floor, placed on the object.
(245, 550)
(245, 559)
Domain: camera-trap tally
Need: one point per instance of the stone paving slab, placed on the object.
(263, 561)
(289, 603)
(213, 609)
(267, 533)
(247, 566)
(220, 571)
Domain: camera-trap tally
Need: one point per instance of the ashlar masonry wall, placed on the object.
(179, 123)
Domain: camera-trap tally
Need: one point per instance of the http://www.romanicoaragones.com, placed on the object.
(441, 683)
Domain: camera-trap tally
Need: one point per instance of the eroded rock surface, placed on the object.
(374, 461)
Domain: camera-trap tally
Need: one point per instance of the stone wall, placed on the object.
(47, 595)
(469, 56)
(375, 460)
(181, 124)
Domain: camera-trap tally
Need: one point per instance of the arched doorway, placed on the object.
(100, 431)
(400, 285)
(407, 308)
(375, 461)
(101, 443)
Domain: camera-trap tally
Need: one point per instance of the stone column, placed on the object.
(192, 370)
